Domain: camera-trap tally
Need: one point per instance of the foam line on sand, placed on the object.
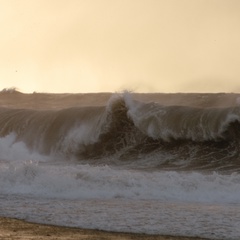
(13, 229)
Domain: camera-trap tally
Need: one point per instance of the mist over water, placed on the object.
(178, 152)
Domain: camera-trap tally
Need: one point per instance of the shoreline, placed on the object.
(15, 229)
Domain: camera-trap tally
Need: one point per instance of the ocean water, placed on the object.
(148, 163)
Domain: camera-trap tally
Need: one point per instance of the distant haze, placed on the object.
(111, 45)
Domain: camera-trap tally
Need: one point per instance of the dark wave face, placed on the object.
(154, 131)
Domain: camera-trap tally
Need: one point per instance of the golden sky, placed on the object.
(112, 45)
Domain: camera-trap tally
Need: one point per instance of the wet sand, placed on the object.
(13, 229)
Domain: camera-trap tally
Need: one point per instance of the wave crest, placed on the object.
(131, 129)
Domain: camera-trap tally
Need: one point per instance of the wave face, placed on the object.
(153, 131)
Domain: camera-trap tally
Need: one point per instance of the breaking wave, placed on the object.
(132, 132)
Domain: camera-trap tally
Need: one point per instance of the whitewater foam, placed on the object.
(134, 162)
(103, 182)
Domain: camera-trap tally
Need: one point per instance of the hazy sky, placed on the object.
(111, 45)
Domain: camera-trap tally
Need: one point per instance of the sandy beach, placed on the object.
(13, 229)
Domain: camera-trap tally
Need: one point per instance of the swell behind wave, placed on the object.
(133, 132)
